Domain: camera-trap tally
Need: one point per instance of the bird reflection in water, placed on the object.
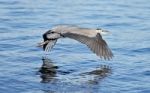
(99, 74)
(48, 70)
(50, 74)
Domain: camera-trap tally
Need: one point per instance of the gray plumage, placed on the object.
(91, 37)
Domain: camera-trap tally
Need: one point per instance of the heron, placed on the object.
(88, 36)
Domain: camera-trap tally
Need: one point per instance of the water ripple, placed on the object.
(71, 67)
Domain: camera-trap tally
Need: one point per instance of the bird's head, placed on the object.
(102, 31)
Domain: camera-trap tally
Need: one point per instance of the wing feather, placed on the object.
(50, 45)
(96, 44)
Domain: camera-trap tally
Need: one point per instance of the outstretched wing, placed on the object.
(50, 42)
(48, 46)
(96, 44)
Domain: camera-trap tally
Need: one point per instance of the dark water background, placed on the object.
(71, 67)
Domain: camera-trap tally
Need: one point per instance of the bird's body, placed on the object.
(91, 37)
(63, 29)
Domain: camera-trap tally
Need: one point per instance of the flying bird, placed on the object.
(90, 37)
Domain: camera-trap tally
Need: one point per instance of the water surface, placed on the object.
(71, 67)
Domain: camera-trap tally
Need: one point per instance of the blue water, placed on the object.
(71, 67)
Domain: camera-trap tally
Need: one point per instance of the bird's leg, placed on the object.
(42, 43)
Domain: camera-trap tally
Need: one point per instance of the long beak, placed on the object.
(42, 43)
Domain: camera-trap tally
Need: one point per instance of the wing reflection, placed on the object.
(48, 70)
(99, 74)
